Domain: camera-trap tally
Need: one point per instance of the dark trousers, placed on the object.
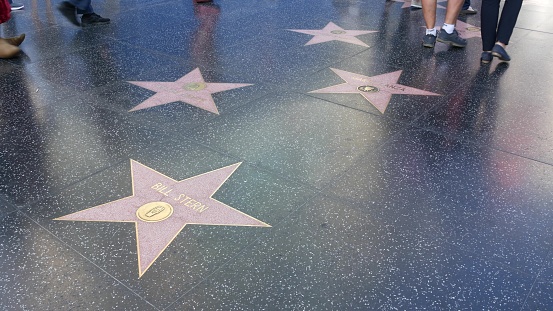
(466, 5)
(492, 30)
(83, 6)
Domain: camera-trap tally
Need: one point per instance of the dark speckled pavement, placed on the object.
(286, 155)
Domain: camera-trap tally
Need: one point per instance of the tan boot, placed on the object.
(16, 40)
(7, 50)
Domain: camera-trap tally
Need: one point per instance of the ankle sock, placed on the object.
(431, 31)
(448, 28)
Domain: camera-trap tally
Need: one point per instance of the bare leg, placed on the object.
(429, 12)
(453, 9)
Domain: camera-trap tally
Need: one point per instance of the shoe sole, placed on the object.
(94, 24)
(427, 45)
(451, 43)
(495, 54)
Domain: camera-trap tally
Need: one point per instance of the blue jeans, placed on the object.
(83, 6)
(466, 5)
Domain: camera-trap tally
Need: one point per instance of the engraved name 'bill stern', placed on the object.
(161, 207)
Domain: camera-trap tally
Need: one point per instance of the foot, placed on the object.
(486, 57)
(7, 50)
(416, 4)
(69, 11)
(93, 19)
(15, 41)
(468, 11)
(428, 41)
(499, 52)
(452, 39)
(17, 6)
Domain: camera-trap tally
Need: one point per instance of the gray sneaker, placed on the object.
(428, 41)
(452, 39)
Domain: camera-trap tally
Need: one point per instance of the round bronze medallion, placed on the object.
(195, 86)
(368, 88)
(154, 211)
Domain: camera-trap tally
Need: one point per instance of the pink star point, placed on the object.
(189, 201)
(333, 32)
(377, 90)
(191, 89)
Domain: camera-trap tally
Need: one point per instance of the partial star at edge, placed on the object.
(378, 90)
(191, 89)
(332, 32)
(161, 207)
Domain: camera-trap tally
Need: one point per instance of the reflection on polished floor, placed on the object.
(274, 155)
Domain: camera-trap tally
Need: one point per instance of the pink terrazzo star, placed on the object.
(378, 90)
(407, 3)
(332, 32)
(161, 207)
(191, 89)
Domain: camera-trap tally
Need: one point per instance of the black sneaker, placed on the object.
(428, 41)
(452, 39)
(93, 19)
(69, 11)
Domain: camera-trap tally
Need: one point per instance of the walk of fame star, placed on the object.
(378, 90)
(191, 89)
(332, 32)
(161, 207)
(407, 3)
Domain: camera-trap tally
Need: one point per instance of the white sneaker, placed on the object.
(470, 10)
(417, 4)
(17, 6)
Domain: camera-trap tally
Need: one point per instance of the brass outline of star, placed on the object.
(384, 89)
(190, 89)
(115, 211)
(326, 35)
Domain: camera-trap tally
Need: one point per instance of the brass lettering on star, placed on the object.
(195, 86)
(191, 203)
(182, 198)
(361, 79)
(395, 87)
(159, 187)
(154, 211)
(338, 32)
(368, 89)
(473, 29)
